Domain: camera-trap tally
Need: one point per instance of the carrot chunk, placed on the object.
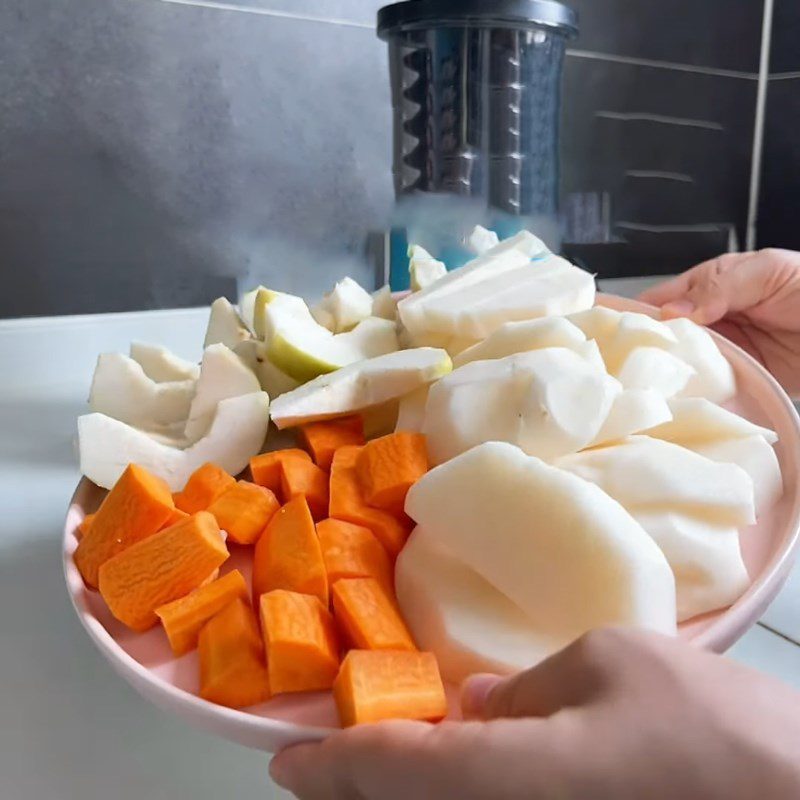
(174, 518)
(137, 506)
(232, 668)
(83, 527)
(204, 486)
(288, 555)
(352, 551)
(160, 569)
(368, 617)
(388, 467)
(347, 503)
(243, 511)
(322, 439)
(386, 684)
(266, 468)
(302, 478)
(184, 618)
(300, 642)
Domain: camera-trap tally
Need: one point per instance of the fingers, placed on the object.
(666, 292)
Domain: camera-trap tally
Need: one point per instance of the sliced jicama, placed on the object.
(654, 368)
(633, 411)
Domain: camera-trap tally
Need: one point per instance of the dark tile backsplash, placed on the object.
(158, 154)
(785, 52)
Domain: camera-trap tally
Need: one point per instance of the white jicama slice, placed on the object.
(222, 375)
(522, 337)
(344, 307)
(274, 382)
(644, 474)
(654, 368)
(714, 378)
(507, 255)
(635, 330)
(566, 554)
(598, 323)
(361, 385)
(303, 349)
(549, 287)
(634, 411)
(384, 304)
(547, 402)
(695, 419)
(481, 240)
(452, 611)
(225, 326)
(237, 433)
(121, 389)
(161, 365)
(706, 560)
(756, 456)
(411, 414)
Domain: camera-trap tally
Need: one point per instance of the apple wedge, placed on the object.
(274, 382)
(237, 433)
(633, 411)
(423, 269)
(161, 365)
(649, 367)
(359, 386)
(344, 307)
(482, 240)
(384, 304)
(411, 414)
(225, 326)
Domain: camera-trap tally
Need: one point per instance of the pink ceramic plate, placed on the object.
(146, 662)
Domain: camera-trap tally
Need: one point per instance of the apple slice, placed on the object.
(633, 411)
(384, 304)
(274, 382)
(424, 270)
(237, 433)
(705, 558)
(343, 308)
(522, 337)
(361, 385)
(411, 414)
(481, 240)
(225, 326)
(121, 389)
(644, 473)
(161, 365)
(567, 555)
(714, 378)
(632, 331)
(654, 368)
(547, 402)
(222, 375)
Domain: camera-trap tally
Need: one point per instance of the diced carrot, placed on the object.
(302, 478)
(347, 503)
(184, 618)
(232, 668)
(373, 685)
(388, 467)
(174, 518)
(288, 556)
(243, 511)
(300, 642)
(266, 468)
(204, 486)
(322, 439)
(135, 508)
(368, 617)
(83, 527)
(157, 570)
(352, 551)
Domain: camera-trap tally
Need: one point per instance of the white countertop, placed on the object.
(71, 729)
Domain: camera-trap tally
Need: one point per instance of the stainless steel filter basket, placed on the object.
(476, 94)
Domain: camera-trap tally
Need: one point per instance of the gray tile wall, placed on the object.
(155, 153)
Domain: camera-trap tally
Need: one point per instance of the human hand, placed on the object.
(618, 715)
(753, 299)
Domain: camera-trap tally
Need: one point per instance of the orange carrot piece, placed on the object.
(352, 551)
(184, 618)
(323, 439)
(288, 556)
(266, 468)
(302, 478)
(232, 668)
(347, 503)
(368, 617)
(83, 527)
(300, 642)
(243, 511)
(157, 570)
(373, 685)
(135, 508)
(174, 518)
(204, 486)
(388, 467)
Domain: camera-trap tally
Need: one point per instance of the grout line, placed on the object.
(670, 65)
(635, 116)
(778, 633)
(760, 122)
(267, 12)
(785, 76)
(657, 174)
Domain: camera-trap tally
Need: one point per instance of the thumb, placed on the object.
(728, 284)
